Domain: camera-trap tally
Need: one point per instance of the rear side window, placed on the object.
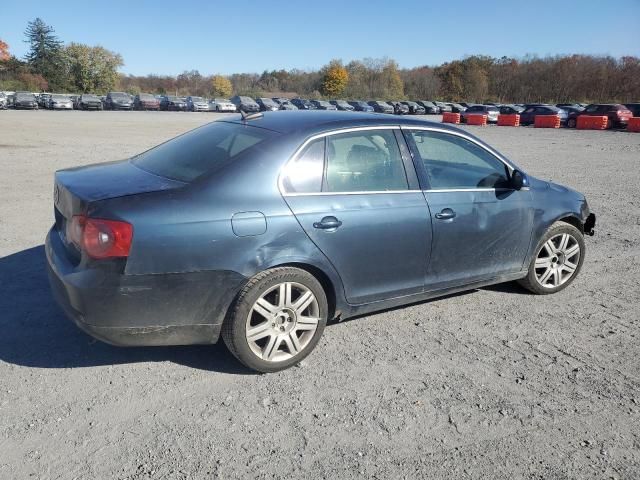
(201, 151)
(453, 162)
(304, 174)
(364, 161)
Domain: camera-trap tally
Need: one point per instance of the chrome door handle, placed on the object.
(445, 214)
(328, 223)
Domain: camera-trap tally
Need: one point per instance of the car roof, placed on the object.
(317, 121)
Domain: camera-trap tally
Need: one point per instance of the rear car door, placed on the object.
(481, 226)
(358, 199)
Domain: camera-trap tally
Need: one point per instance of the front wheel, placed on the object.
(277, 319)
(557, 261)
(571, 123)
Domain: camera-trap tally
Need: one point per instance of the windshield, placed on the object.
(173, 99)
(119, 96)
(89, 97)
(246, 100)
(25, 96)
(200, 151)
(221, 100)
(59, 97)
(323, 103)
(268, 101)
(197, 99)
(146, 96)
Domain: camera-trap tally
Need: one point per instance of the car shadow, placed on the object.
(34, 332)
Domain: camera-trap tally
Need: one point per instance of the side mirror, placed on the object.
(518, 180)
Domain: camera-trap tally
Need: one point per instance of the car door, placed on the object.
(481, 227)
(358, 199)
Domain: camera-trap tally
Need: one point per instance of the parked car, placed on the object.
(88, 101)
(287, 105)
(197, 104)
(25, 101)
(118, 101)
(528, 115)
(443, 107)
(429, 107)
(323, 105)
(380, 107)
(510, 109)
(360, 106)
(617, 115)
(74, 101)
(268, 105)
(634, 108)
(414, 108)
(304, 209)
(303, 104)
(342, 105)
(489, 110)
(221, 105)
(570, 109)
(43, 100)
(245, 104)
(399, 108)
(3, 101)
(60, 102)
(171, 103)
(146, 101)
(457, 108)
(563, 105)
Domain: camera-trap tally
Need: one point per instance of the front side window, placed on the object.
(453, 162)
(364, 161)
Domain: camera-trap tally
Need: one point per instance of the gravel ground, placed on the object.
(494, 383)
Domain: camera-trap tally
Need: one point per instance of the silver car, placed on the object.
(60, 102)
(197, 104)
(489, 110)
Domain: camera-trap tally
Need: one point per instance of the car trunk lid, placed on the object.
(75, 189)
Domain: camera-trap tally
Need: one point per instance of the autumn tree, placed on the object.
(4, 51)
(221, 86)
(92, 69)
(335, 79)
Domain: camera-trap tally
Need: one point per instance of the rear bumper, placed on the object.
(141, 310)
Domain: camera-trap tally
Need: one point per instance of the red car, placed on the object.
(618, 114)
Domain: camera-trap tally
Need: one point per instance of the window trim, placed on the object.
(324, 135)
(421, 170)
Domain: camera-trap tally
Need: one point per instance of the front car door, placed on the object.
(358, 199)
(481, 226)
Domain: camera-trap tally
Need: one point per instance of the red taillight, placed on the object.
(101, 238)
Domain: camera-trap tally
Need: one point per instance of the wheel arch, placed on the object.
(325, 281)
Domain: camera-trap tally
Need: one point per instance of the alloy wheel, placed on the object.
(557, 260)
(282, 322)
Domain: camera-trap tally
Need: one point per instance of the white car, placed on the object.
(3, 101)
(60, 102)
(222, 105)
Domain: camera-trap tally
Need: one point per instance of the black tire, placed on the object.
(571, 123)
(530, 282)
(235, 325)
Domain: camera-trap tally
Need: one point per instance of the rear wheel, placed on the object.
(558, 260)
(277, 319)
(571, 123)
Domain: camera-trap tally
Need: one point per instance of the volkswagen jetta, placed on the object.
(261, 228)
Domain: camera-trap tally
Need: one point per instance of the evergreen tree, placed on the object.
(45, 56)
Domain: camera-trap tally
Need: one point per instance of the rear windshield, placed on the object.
(200, 151)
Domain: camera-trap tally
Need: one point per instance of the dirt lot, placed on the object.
(495, 383)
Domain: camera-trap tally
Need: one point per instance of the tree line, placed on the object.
(51, 65)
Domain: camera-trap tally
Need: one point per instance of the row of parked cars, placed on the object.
(617, 114)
